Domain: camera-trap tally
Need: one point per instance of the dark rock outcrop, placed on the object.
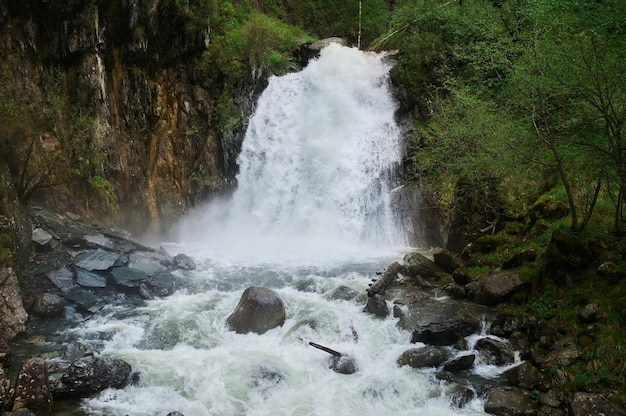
(91, 374)
(13, 316)
(259, 310)
(32, 390)
(441, 323)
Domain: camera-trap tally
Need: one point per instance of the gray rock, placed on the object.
(13, 316)
(585, 404)
(560, 357)
(527, 377)
(423, 357)
(98, 259)
(100, 240)
(62, 278)
(47, 305)
(83, 298)
(89, 375)
(129, 277)
(442, 323)
(377, 306)
(184, 262)
(259, 310)
(343, 364)
(462, 363)
(148, 262)
(510, 401)
(44, 239)
(31, 389)
(589, 313)
(88, 279)
(494, 288)
(496, 352)
(343, 293)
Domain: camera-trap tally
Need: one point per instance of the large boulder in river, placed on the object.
(92, 374)
(259, 310)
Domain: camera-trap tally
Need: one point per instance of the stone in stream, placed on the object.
(184, 262)
(91, 374)
(343, 364)
(259, 310)
(423, 357)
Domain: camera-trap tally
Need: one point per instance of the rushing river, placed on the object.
(312, 212)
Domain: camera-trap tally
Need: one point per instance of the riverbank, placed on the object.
(546, 345)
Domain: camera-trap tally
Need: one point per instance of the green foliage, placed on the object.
(260, 40)
(44, 143)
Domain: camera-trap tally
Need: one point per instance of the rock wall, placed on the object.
(129, 62)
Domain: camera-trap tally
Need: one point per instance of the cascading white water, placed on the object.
(311, 214)
(316, 166)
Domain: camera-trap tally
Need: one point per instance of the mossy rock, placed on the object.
(548, 207)
(487, 243)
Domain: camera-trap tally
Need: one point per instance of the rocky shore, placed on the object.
(79, 268)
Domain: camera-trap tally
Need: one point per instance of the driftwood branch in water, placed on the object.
(326, 349)
(390, 274)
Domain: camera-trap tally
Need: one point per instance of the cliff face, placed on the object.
(130, 65)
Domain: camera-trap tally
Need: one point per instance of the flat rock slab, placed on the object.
(96, 260)
(129, 276)
(62, 278)
(86, 278)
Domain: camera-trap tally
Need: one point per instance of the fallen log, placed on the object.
(390, 274)
(326, 349)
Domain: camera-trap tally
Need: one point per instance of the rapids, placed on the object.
(311, 213)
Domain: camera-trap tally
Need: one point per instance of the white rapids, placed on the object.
(311, 213)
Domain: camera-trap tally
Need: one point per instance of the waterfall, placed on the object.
(316, 167)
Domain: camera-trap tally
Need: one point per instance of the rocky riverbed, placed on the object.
(78, 269)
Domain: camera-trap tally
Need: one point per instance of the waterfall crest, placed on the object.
(317, 164)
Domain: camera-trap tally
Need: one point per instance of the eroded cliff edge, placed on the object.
(129, 67)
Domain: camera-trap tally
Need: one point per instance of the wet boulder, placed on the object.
(441, 323)
(495, 352)
(89, 375)
(343, 364)
(377, 306)
(31, 389)
(462, 363)
(259, 310)
(510, 401)
(184, 262)
(423, 357)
